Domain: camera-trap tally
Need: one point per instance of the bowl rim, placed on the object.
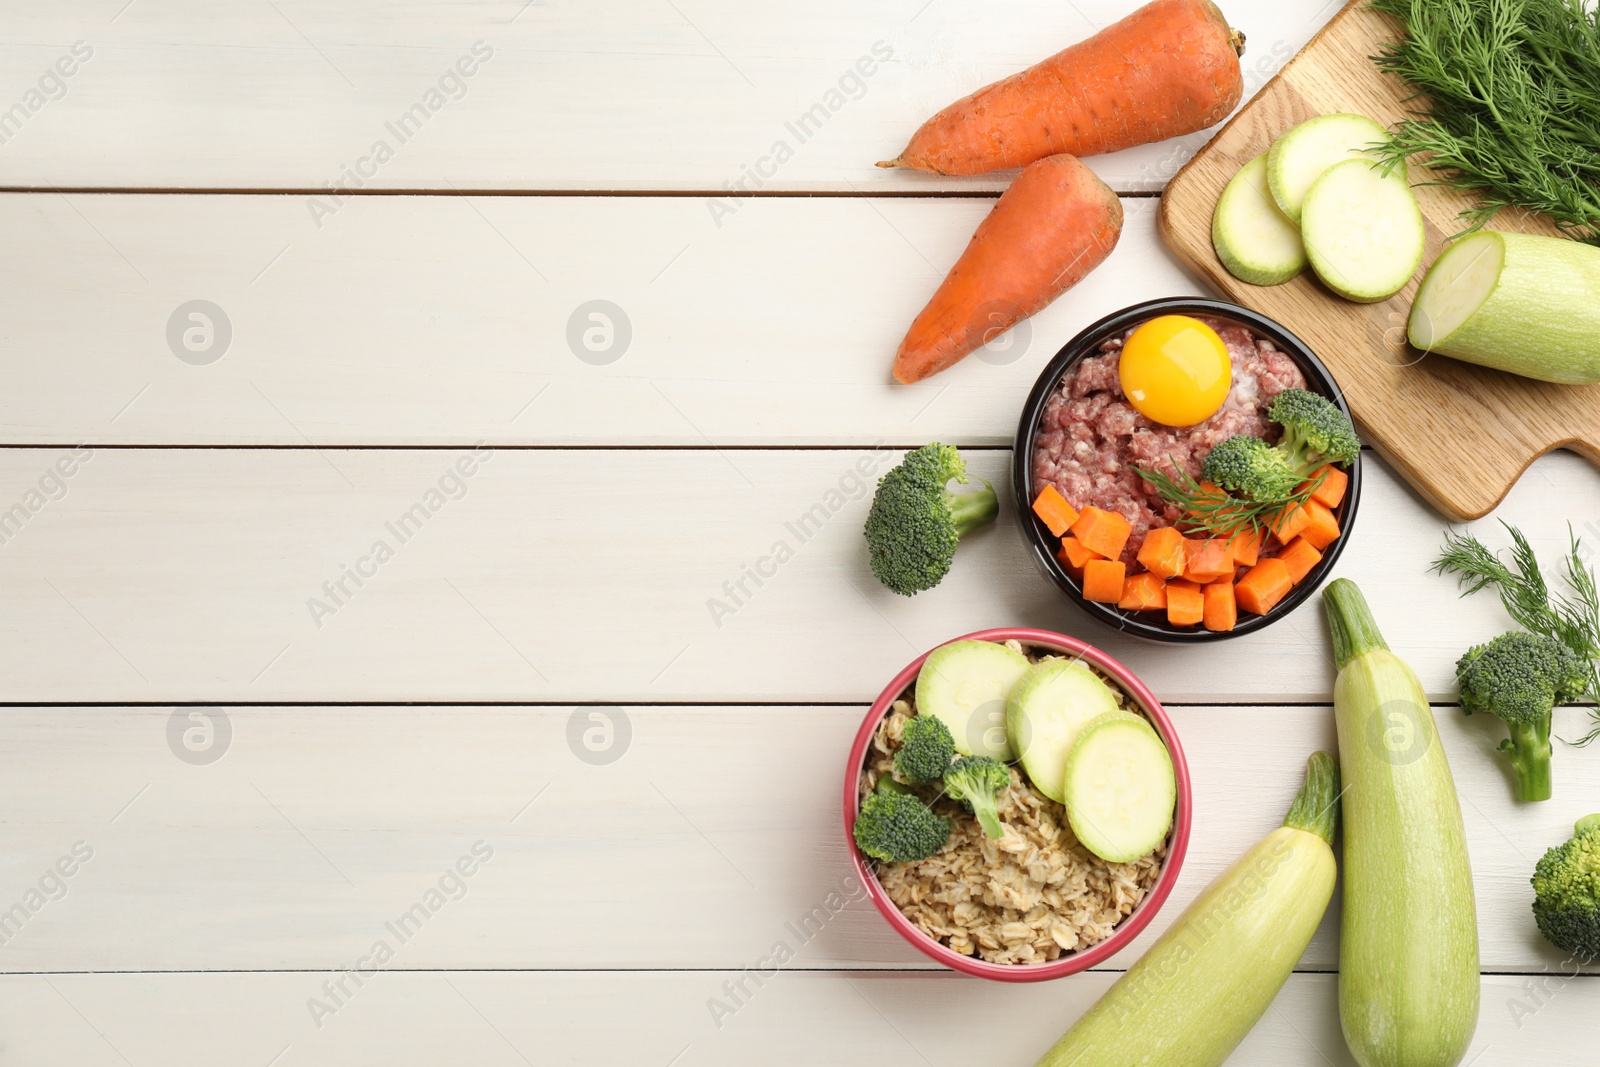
(1142, 913)
(1085, 343)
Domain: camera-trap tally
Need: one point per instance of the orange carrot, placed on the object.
(1209, 560)
(1300, 557)
(1074, 555)
(1162, 552)
(1054, 511)
(1247, 547)
(1334, 483)
(1260, 590)
(1322, 529)
(1185, 603)
(1054, 225)
(1287, 524)
(1221, 612)
(1143, 592)
(1102, 580)
(1170, 68)
(1104, 533)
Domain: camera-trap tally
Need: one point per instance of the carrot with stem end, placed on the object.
(1169, 68)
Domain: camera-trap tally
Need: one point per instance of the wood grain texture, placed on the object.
(694, 95)
(1459, 433)
(511, 1020)
(612, 575)
(711, 834)
(444, 320)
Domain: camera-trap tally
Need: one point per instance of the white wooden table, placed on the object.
(259, 745)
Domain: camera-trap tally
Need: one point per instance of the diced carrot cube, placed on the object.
(1209, 560)
(1322, 528)
(1247, 547)
(1221, 612)
(1287, 524)
(1144, 592)
(1300, 556)
(1102, 532)
(1185, 602)
(1054, 511)
(1266, 583)
(1163, 553)
(1073, 555)
(1102, 580)
(1332, 488)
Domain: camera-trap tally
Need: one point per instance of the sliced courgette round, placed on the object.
(1253, 238)
(1298, 157)
(1120, 788)
(1047, 709)
(1363, 230)
(965, 683)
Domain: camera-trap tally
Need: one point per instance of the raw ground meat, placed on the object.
(1090, 437)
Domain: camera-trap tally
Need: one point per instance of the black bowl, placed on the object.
(1045, 545)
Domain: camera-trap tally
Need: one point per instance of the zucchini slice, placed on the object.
(1253, 239)
(1298, 157)
(1363, 230)
(966, 683)
(1120, 788)
(1045, 713)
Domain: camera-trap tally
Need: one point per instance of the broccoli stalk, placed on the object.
(977, 781)
(1520, 677)
(1315, 431)
(926, 748)
(916, 523)
(1566, 892)
(899, 828)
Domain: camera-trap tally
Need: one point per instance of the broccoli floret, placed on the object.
(976, 781)
(1520, 677)
(1248, 465)
(899, 828)
(1315, 431)
(926, 748)
(916, 522)
(1566, 892)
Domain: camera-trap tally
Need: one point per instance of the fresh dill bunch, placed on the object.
(1572, 618)
(1507, 97)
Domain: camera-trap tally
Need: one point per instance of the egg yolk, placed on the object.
(1175, 370)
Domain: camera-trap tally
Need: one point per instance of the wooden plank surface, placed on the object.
(506, 1020)
(631, 95)
(264, 838)
(1460, 433)
(370, 743)
(447, 320)
(223, 576)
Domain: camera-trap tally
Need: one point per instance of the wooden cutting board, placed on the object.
(1460, 434)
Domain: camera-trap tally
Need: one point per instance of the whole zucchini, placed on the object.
(1408, 946)
(1196, 993)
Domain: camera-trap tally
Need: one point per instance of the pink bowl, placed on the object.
(1142, 914)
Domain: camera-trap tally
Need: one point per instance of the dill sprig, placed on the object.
(1214, 513)
(1508, 95)
(1572, 618)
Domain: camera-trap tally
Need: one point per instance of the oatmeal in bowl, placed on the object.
(1011, 853)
